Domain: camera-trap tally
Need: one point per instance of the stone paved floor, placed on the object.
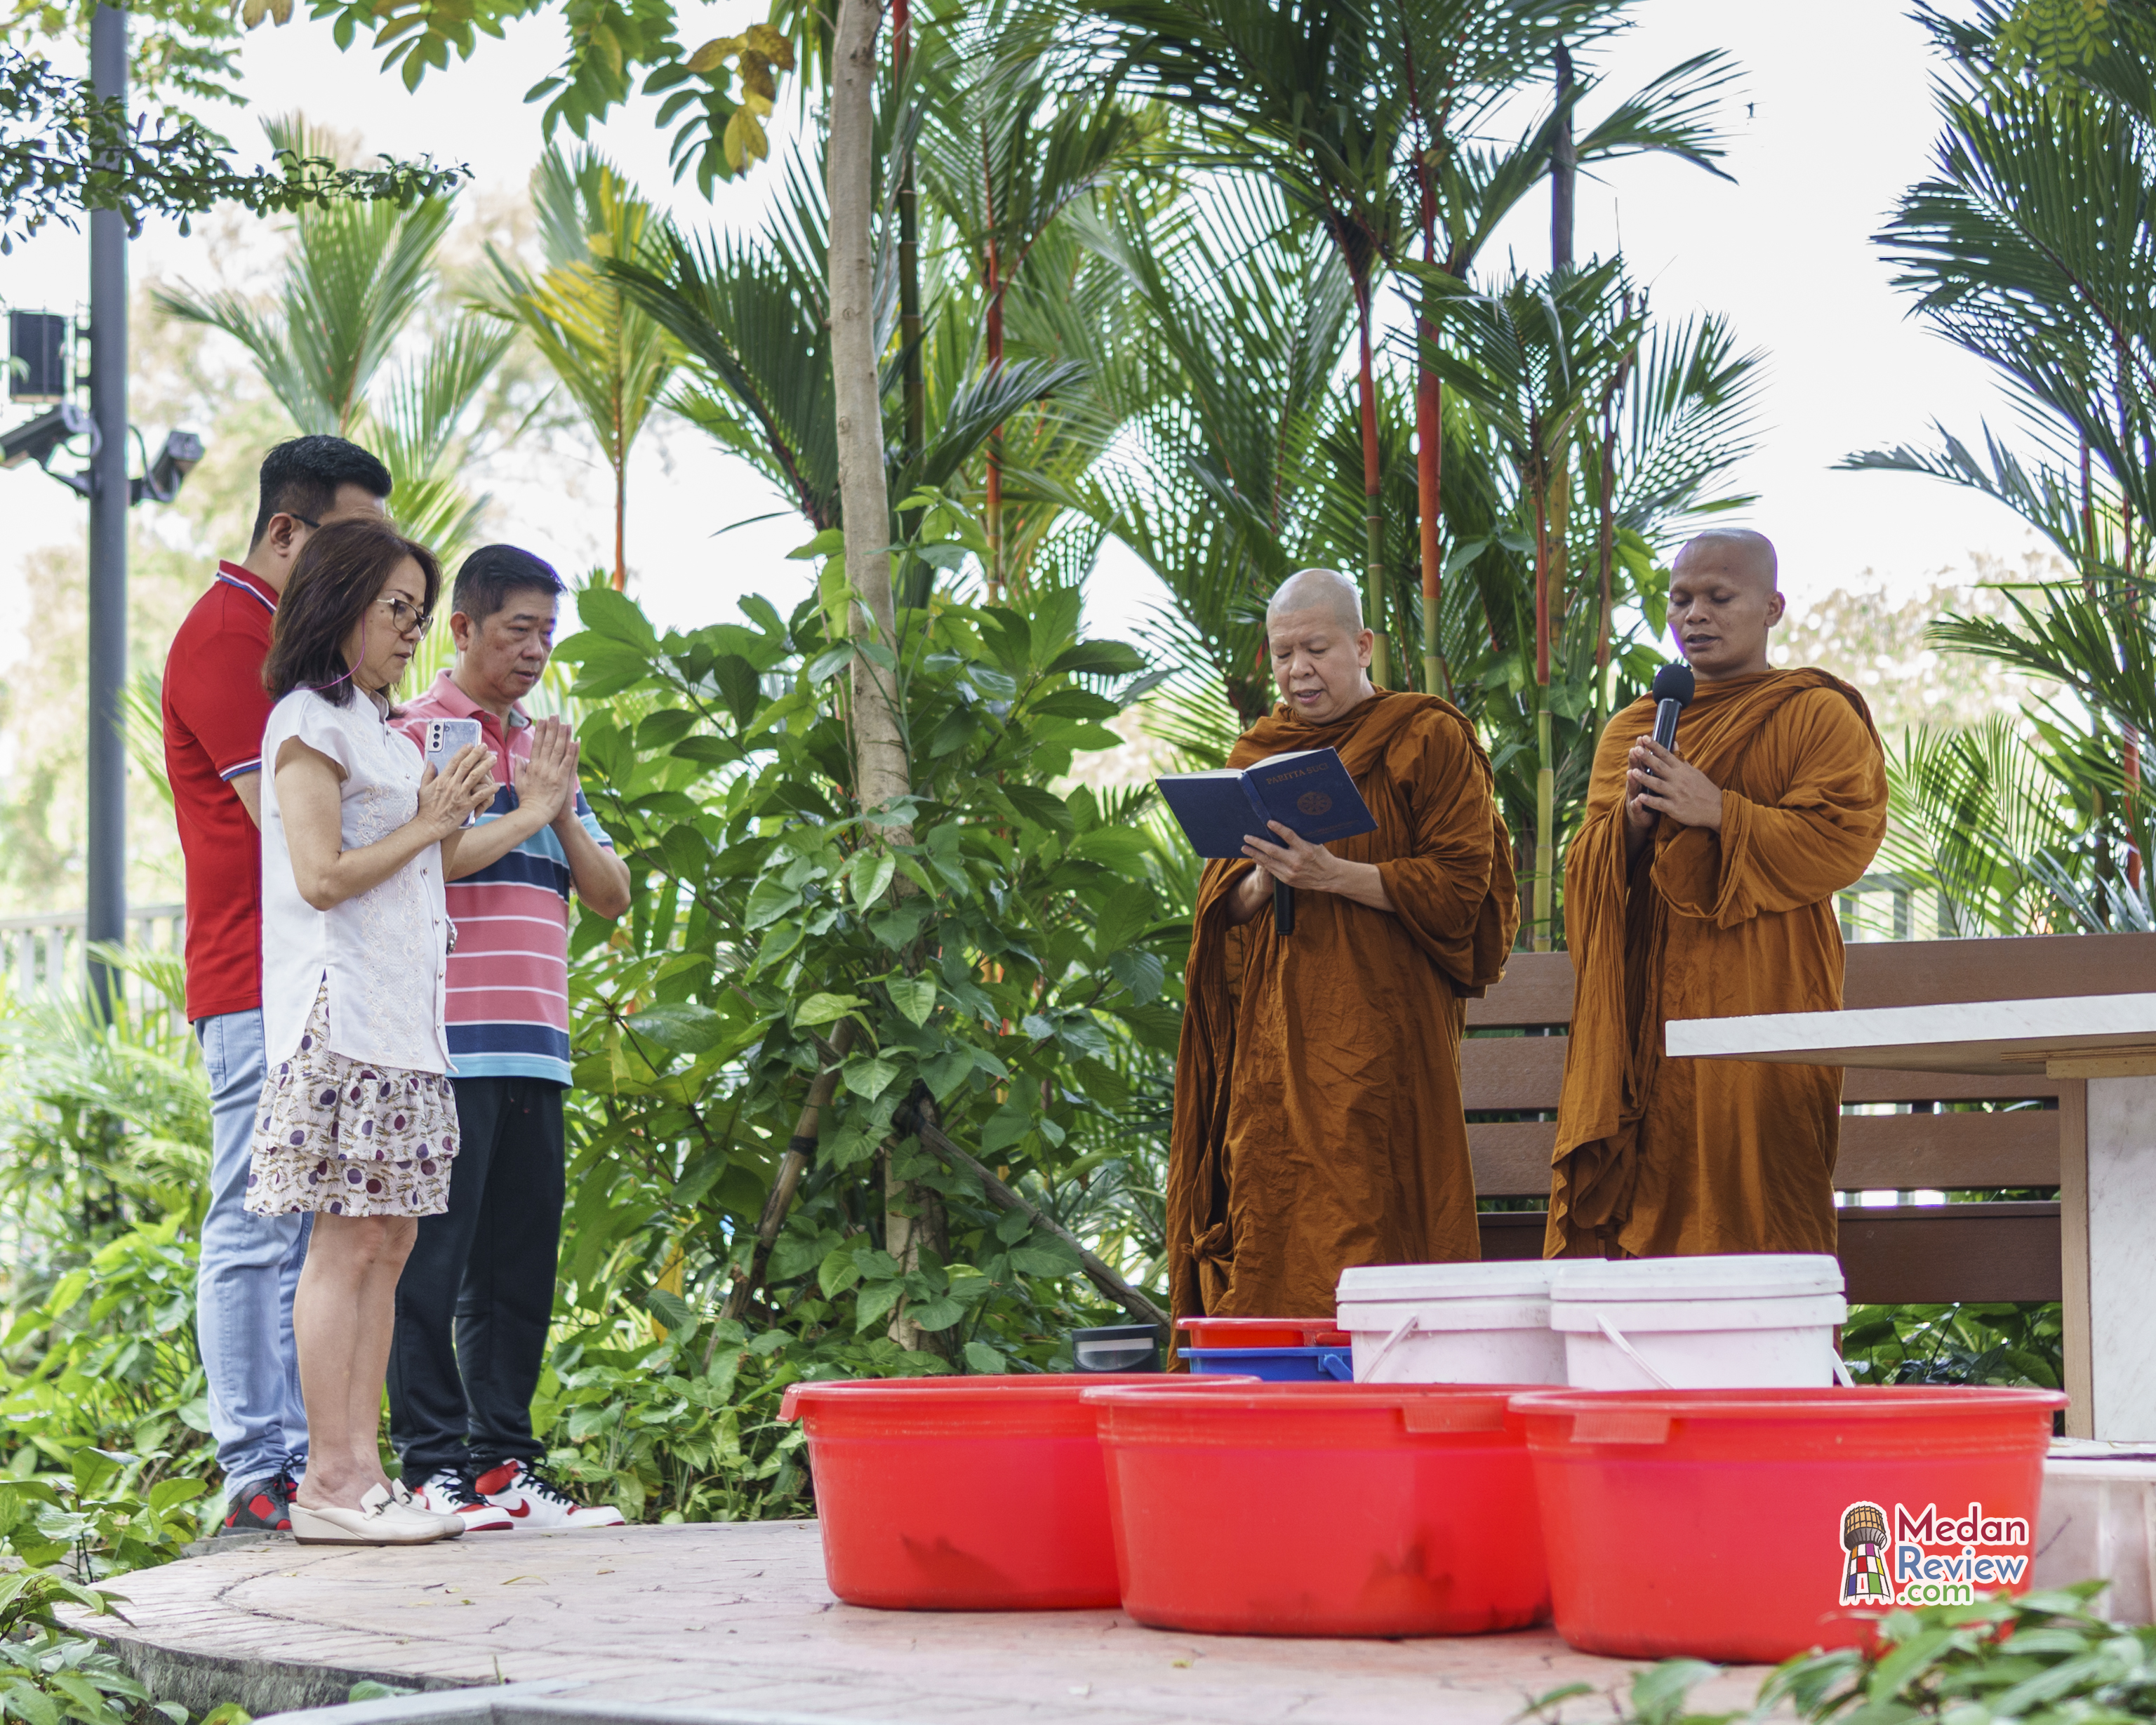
(738, 1617)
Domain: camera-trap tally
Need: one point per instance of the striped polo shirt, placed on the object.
(509, 976)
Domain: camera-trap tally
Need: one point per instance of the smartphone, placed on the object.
(444, 737)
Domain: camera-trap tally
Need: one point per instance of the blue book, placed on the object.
(1306, 790)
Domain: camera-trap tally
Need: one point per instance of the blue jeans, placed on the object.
(248, 1272)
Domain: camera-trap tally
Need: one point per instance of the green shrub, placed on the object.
(1964, 1344)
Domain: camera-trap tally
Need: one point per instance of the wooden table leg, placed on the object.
(2074, 1254)
(2121, 1208)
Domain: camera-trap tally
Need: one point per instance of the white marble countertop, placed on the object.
(2077, 1036)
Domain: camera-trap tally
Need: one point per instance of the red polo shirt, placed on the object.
(215, 711)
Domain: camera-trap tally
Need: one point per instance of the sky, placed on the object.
(1830, 122)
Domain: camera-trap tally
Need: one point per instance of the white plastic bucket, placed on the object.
(1451, 1323)
(1762, 1320)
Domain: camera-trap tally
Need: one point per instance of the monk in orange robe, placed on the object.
(1701, 885)
(1317, 1113)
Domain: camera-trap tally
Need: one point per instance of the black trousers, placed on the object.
(482, 1273)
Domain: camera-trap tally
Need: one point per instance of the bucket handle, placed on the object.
(1335, 1367)
(1842, 1375)
(1630, 1352)
(1401, 1331)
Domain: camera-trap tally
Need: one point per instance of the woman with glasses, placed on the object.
(358, 1121)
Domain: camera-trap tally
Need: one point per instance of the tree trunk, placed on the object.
(1546, 774)
(1430, 403)
(909, 253)
(793, 1166)
(992, 285)
(880, 772)
(621, 523)
(1429, 465)
(1429, 456)
(914, 1219)
(1605, 557)
(992, 494)
(2132, 808)
(909, 303)
(1564, 169)
(1374, 523)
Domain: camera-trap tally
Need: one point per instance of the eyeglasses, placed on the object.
(407, 620)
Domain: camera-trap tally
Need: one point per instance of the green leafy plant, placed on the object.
(47, 1673)
(1964, 1343)
(984, 1014)
(2044, 1659)
(64, 151)
(99, 1519)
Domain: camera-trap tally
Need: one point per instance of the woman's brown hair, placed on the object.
(340, 573)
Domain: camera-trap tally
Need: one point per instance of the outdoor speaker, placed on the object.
(38, 345)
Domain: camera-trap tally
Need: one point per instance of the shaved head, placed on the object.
(1320, 652)
(1735, 551)
(1325, 591)
(1724, 599)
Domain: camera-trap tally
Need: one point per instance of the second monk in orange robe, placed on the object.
(1701, 885)
(1317, 1110)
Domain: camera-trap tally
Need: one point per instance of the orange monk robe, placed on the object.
(1663, 1157)
(1317, 1113)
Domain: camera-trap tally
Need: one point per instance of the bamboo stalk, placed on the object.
(1373, 525)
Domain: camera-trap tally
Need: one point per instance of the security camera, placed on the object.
(175, 462)
(38, 438)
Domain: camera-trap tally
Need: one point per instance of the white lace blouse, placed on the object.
(382, 952)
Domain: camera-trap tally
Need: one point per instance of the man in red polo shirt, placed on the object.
(215, 708)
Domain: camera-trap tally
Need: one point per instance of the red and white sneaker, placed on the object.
(449, 1493)
(521, 1490)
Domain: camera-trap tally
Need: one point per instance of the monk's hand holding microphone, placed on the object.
(1659, 782)
(1774, 803)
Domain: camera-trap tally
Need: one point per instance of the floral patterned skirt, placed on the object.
(338, 1135)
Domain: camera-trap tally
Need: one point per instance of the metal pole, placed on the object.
(106, 851)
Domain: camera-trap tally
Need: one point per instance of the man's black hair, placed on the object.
(301, 477)
(493, 572)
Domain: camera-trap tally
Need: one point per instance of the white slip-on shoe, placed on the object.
(379, 1520)
(407, 1504)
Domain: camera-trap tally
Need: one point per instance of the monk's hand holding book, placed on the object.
(1294, 861)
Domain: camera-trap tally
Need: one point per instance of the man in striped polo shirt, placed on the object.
(477, 1293)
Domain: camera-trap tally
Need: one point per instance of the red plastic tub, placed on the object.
(1262, 1332)
(1752, 1524)
(1316, 1509)
(962, 1494)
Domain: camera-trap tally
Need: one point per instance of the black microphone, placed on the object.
(1674, 688)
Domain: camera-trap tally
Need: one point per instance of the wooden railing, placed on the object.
(44, 956)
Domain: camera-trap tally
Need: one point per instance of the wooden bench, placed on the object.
(1907, 1255)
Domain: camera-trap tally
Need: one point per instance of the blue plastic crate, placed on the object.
(1277, 1365)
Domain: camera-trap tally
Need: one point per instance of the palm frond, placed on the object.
(2099, 640)
(1672, 115)
(749, 318)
